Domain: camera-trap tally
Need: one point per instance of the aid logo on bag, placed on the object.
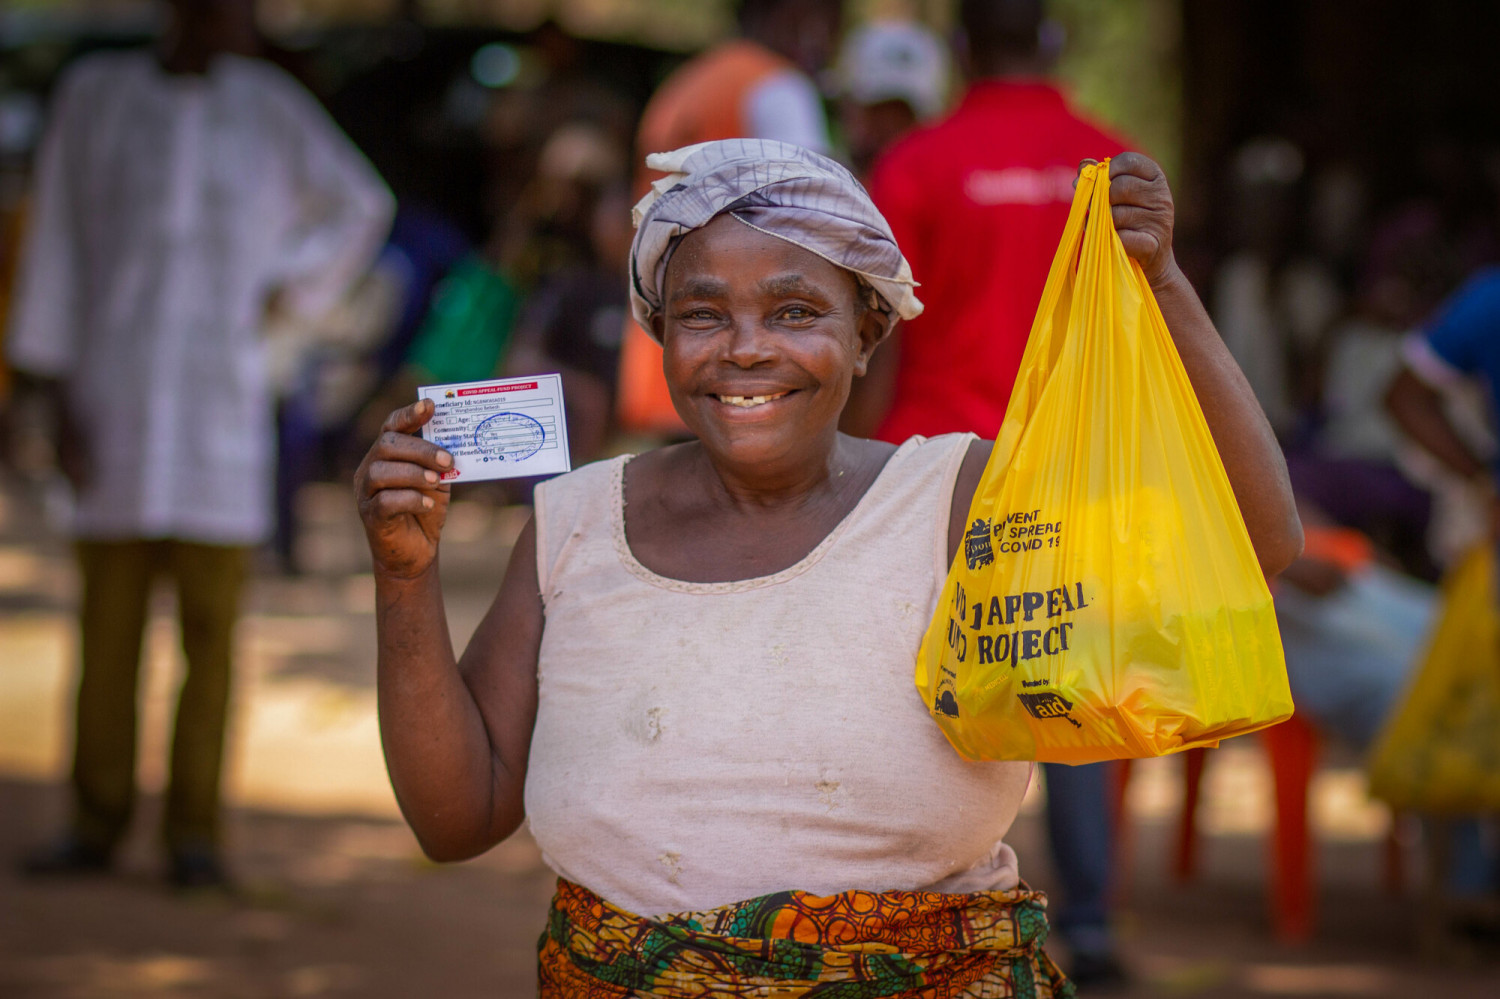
(1048, 705)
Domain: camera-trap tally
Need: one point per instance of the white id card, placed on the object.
(500, 429)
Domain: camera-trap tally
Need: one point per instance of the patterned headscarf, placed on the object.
(779, 189)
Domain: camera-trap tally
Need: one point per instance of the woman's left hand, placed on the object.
(1141, 203)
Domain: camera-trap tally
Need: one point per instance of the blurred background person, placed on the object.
(182, 194)
(1249, 303)
(758, 85)
(1351, 458)
(1355, 630)
(976, 194)
(890, 75)
(543, 255)
(1352, 628)
(1459, 342)
(980, 198)
(572, 327)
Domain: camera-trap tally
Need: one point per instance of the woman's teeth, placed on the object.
(746, 401)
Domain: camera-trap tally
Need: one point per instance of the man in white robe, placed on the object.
(180, 195)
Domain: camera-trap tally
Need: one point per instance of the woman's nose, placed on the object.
(750, 343)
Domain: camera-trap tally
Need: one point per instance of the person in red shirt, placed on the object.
(978, 202)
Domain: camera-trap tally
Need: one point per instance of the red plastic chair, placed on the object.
(1292, 748)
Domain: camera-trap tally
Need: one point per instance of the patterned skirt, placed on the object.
(855, 945)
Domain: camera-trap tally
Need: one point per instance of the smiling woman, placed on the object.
(759, 370)
(696, 680)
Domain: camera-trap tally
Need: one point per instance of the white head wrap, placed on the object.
(780, 189)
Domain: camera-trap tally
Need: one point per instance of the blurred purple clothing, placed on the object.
(1352, 491)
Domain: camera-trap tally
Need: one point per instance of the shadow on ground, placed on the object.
(328, 906)
(338, 906)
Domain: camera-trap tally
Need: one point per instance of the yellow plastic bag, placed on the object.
(1440, 752)
(1106, 602)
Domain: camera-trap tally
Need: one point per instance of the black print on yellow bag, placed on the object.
(1106, 602)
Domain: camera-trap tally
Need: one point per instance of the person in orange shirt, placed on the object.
(755, 86)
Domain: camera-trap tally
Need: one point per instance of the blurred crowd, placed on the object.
(1361, 324)
(514, 161)
(1316, 286)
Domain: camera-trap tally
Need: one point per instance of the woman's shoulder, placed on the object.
(951, 441)
(604, 479)
(942, 447)
(952, 465)
(921, 465)
(577, 505)
(924, 470)
(595, 476)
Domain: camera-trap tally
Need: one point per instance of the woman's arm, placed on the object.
(1143, 216)
(1418, 410)
(456, 734)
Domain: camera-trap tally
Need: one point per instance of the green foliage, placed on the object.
(1120, 61)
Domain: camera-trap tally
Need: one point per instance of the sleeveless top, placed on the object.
(698, 744)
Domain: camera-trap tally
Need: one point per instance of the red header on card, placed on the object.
(493, 389)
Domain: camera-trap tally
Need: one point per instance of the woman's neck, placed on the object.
(817, 470)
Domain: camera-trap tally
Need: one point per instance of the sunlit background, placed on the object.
(1279, 113)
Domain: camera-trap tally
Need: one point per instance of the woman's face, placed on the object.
(762, 340)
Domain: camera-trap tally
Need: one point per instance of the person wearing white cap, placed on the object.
(890, 76)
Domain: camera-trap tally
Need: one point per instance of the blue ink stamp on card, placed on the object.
(509, 437)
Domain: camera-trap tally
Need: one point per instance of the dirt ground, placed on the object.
(336, 906)
(335, 899)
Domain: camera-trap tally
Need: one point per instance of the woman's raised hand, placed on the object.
(401, 497)
(1141, 203)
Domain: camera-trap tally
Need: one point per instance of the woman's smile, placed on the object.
(748, 401)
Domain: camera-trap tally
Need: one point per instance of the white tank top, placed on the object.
(698, 744)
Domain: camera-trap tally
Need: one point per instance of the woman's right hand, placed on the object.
(401, 497)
